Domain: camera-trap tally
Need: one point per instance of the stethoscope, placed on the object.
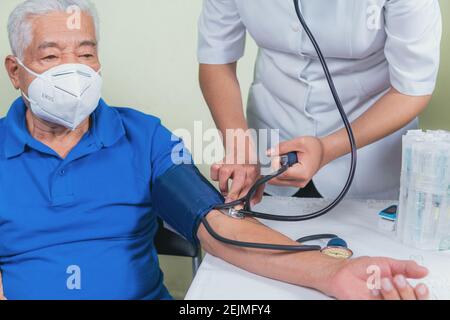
(286, 162)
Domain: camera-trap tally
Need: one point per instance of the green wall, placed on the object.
(437, 116)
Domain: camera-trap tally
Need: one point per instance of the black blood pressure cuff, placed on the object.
(182, 196)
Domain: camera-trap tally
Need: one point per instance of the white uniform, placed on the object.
(369, 45)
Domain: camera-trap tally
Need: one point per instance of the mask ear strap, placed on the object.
(25, 67)
(26, 97)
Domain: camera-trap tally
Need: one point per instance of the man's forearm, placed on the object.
(389, 114)
(308, 269)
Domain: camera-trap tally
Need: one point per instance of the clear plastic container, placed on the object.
(424, 205)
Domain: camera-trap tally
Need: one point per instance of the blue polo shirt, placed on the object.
(83, 227)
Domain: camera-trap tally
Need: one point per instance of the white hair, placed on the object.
(20, 27)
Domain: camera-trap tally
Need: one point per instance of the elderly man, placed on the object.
(82, 184)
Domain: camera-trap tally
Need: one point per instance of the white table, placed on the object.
(354, 220)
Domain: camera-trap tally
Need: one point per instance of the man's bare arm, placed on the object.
(344, 279)
(284, 266)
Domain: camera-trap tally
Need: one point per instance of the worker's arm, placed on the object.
(389, 114)
(343, 279)
(221, 90)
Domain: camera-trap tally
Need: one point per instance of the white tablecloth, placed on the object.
(354, 220)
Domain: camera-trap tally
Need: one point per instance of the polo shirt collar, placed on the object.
(106, 126)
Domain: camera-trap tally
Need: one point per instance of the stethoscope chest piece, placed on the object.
(337, 248)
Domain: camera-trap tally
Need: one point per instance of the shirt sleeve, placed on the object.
(221, 37)
(181, 196)
(414, 31)
(167, 150)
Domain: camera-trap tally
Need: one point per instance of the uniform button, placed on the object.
(62, 172)
(295, 27)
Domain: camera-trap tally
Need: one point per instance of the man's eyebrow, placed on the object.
(89, 43)
(46, 45)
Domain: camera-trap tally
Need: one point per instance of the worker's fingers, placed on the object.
(422, 292)
(249, 183)
(294, 177)
(225, 174)
(388, 290)
(404, 289)
(288, 183)
(215, 169)
(238, 184)
(297, 172)
(258, 195)
(275, 163)
(410, 269)
(286, 147)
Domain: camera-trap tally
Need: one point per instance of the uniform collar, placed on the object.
(106, 126)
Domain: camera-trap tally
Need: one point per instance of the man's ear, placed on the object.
(12, 67)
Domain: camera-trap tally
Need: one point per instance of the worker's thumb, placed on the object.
(285, 148)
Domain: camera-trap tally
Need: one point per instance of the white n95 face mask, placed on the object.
(65, 95)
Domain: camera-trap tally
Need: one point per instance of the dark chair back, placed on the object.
(170, 243)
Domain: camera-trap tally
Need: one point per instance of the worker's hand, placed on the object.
(353, 278)
(2, 297)
(310, 152)
(242, 176)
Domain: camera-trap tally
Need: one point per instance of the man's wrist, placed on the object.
(320, 271)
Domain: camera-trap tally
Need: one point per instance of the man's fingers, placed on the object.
(404, 288)
(410, 269)
(388, 290)
(375, 294)
(422, 292)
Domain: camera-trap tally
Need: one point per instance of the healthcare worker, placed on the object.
(384, 56)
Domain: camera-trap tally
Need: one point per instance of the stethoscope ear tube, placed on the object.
(288, 161)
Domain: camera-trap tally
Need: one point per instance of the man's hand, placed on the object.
(243, 178)
(2, 297)
(354, 278)
(310, 151)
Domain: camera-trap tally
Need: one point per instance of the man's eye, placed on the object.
(51, 57)
(87, 55)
